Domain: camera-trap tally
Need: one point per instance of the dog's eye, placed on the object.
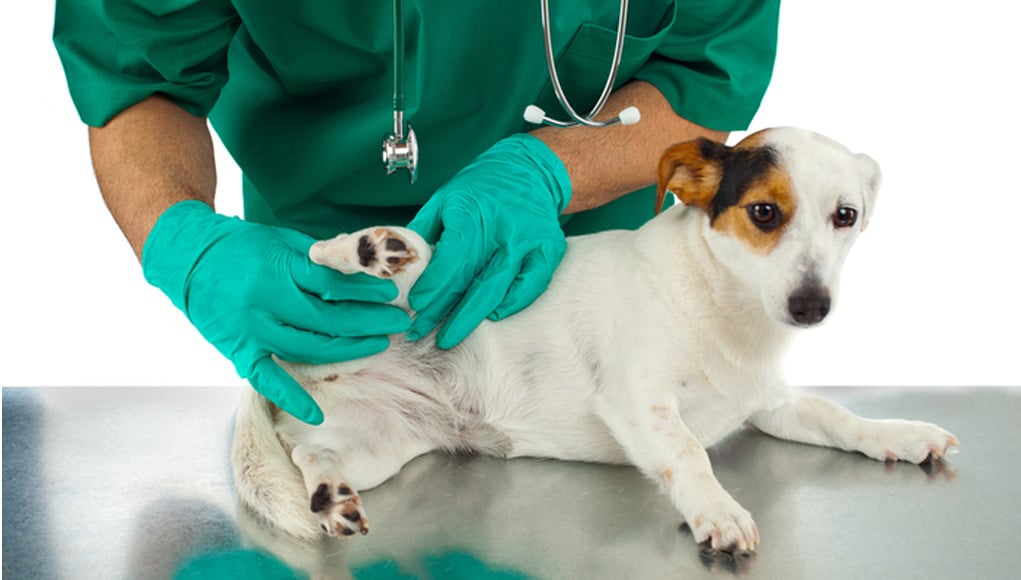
(845, 217)
(766, 216)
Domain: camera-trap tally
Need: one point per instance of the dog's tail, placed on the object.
(268, 484)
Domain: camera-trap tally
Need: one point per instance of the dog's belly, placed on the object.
(481, 397)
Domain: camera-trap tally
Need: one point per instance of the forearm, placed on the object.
(149, 157)
(605, 164)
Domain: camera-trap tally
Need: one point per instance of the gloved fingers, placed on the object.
(275, 384)
(428, 222)
(308, 347)
(426, 320)
(487, 291)
(329, 284)
(536, 272)
(455, 262)
(340, 319)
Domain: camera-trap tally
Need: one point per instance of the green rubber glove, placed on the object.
(498, 239)
(252, 292)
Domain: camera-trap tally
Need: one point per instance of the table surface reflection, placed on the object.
(135, 483)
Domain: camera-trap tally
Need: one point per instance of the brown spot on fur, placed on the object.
(668, 476)
(331, 378)
(772, 188)
(660, 411)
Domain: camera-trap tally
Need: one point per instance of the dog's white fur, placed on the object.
(648, 347)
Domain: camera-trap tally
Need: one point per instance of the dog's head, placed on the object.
(784, 207)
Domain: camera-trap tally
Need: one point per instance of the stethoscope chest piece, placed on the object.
(400, 152)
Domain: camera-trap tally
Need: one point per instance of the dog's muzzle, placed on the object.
(809, 305)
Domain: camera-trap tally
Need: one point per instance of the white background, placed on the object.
(930, 294)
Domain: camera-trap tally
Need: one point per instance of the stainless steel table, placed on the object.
(135, 483)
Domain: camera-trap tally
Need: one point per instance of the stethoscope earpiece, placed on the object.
(628, 116)
(536, 116)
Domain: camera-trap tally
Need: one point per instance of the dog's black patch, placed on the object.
(366, 251)
(321, 498)
(347, 532)
(740, 168)
(344, 490)
(353, 517)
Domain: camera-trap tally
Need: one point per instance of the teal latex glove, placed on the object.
(252, 292)
(498, 239)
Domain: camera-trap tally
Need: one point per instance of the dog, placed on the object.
(648, 347)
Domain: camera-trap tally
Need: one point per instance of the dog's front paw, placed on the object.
(722, 524)
(339, 509)
(900, 440)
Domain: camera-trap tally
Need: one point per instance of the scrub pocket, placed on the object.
(585, 65)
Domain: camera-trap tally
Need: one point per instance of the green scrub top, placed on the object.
(301, 91)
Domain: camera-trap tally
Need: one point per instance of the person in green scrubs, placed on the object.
(301, 92)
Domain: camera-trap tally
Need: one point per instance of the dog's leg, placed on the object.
(395, 253)
(819, 422)
(333, 480)
(661, 445)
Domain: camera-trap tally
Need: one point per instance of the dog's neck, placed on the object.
(704, 293)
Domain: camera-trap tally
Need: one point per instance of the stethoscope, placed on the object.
(400, 150)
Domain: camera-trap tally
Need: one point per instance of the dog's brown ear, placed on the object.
(692, 171)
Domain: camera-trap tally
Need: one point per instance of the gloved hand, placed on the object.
(252, 292)
(497, 234)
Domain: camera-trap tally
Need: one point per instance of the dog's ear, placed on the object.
(692, 171)
(872, 178)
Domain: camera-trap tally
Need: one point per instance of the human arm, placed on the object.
(149, 157)
(604, 164)
(249, 289)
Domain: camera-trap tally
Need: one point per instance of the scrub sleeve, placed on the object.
(300, 91)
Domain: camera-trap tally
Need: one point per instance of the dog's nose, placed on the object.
(809, 306)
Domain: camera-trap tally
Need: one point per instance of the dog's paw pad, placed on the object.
(339, 509)
(384, 253)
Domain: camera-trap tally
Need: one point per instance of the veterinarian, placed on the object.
(301, 94)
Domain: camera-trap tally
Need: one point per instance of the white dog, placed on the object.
(648, 347)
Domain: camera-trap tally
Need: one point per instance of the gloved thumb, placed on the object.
(275, 384)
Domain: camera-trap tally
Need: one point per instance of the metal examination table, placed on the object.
(135, 483)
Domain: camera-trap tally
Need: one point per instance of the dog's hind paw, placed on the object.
(339, 509)
(381, 251)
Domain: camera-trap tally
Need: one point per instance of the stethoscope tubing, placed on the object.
(618, 51)
(400, 151)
